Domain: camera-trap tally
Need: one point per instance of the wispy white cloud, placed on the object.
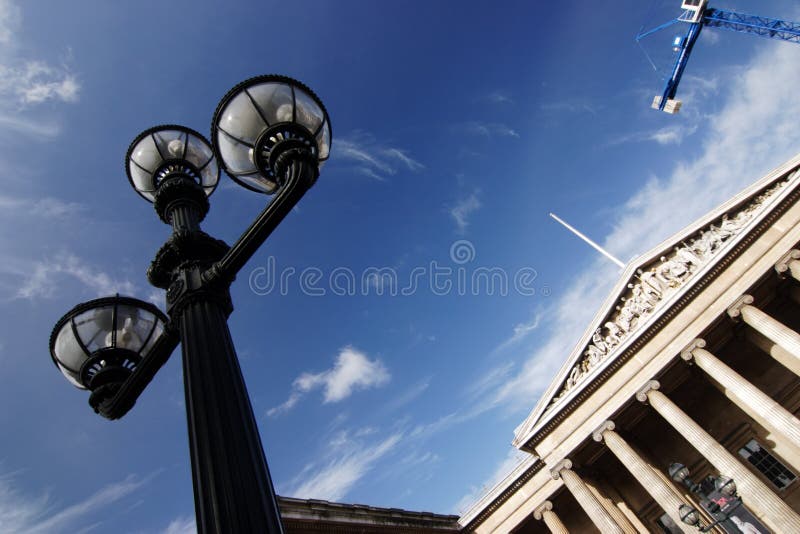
(489, 379)
(668, 135)
(409, 395)
(506, 465)
(9, 20)
(26, 82)
(32, 127)
(181, 525)
(463, 209)
(34, 82)
(41, 279)
(47, 207)
(352, 371)
(373, 159)
(346, 460)
(520, 332)
(39, 515)
(569, 106)
(403, 157)
(488, 129)
(499, 97)
(567, 318)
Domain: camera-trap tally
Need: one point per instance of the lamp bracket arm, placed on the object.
(300, 174)
(126, 395)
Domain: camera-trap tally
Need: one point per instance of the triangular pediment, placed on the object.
(654, 282)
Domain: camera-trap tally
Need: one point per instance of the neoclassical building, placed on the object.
(693, 359)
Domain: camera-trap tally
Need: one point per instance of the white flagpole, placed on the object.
(594, 245)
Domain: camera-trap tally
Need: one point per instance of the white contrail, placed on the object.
(597, 247)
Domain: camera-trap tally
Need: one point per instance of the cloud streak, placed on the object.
(42, 279)
(520, 332)
(36, 515)
(27, 82)
(669, 135)
(347, 460)
(372, 159)
(352, 371)
(499, 97)
(488, 129)
(463, 209)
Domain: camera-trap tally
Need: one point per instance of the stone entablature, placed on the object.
(312, 515)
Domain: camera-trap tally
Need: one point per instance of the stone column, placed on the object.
(781, 355)
(544, 512)
(612, 509)
(663, 494)
(773, 330)
(599, 516)
(750, 399)
(769, 508)
(614, 495)
(790, 262)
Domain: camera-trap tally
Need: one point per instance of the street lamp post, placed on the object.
(721, 501)
(271, 134)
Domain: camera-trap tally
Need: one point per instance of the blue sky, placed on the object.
(457, 127)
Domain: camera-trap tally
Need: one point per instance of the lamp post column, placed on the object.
(232, 486)
(233, 489)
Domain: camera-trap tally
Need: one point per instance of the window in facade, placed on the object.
(770, 467)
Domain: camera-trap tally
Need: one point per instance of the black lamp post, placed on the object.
(724, 489)
(272, 134)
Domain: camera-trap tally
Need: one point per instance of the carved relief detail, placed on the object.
(652, 285)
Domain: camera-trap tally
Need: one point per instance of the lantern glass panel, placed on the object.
(95, 327)
(237, 156)
(70, 352)
(157, 333)
(146, 154)
(171, 143)
(309, 114)
(324, 142)
(241, 119)
(274, 100)
(71, 377)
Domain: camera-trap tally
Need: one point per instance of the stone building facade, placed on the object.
(694, 358)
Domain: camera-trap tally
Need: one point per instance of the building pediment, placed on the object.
(651, 284)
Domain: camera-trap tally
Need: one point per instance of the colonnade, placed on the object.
(775, 339)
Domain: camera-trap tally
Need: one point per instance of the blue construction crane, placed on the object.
(697, 15)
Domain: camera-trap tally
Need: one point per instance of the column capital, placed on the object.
(555, 472)
(783, 264)
(641, 395)
(735, 309)
(597, 435)
(697, 343)
(546, 506)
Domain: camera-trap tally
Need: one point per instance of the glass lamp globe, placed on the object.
(261, 117)
(678, 472)
(165, 150)
(102, 341)
(725, 485)
(688, 515)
